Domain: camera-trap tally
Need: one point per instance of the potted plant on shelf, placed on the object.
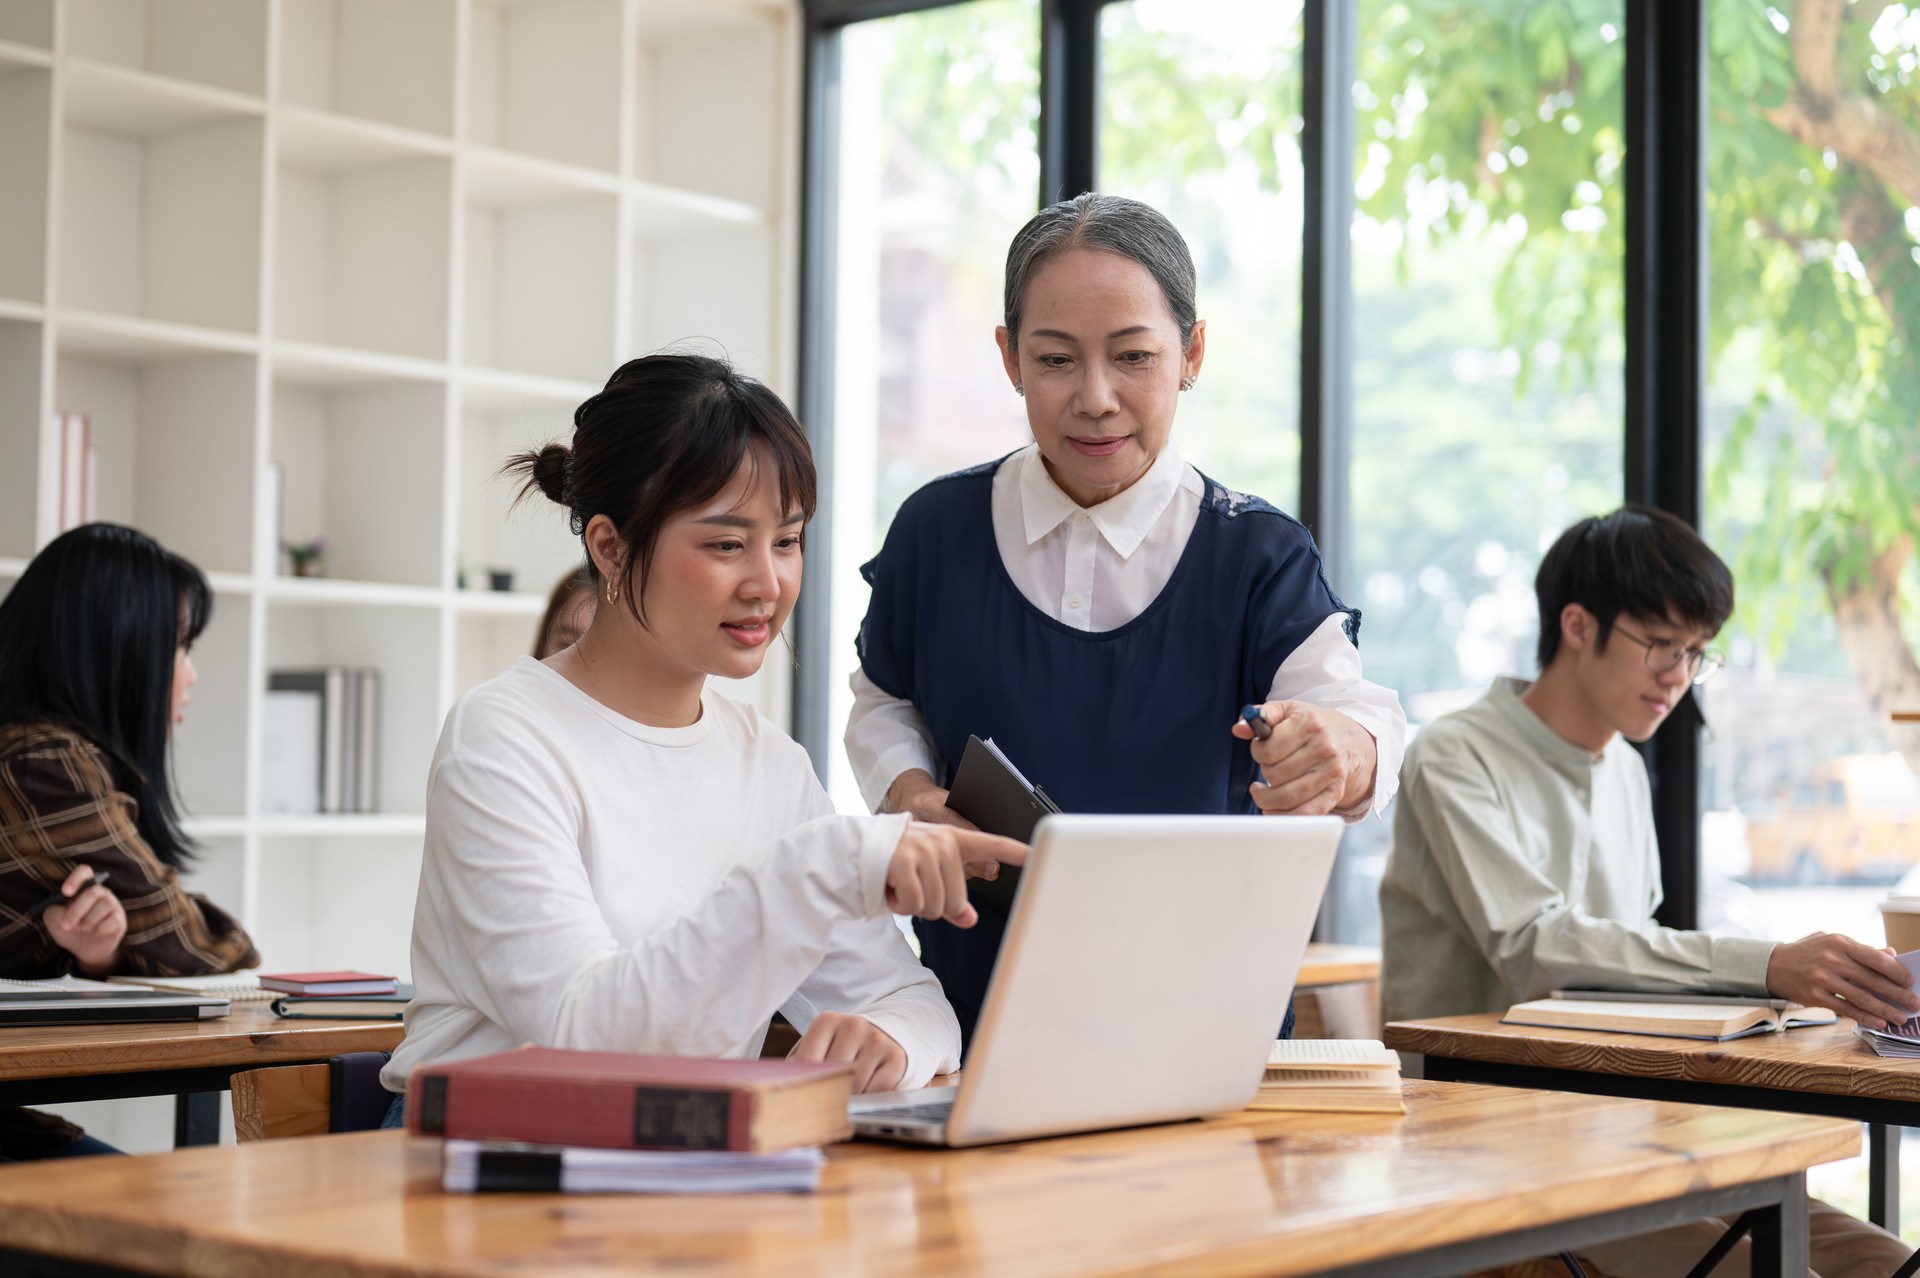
(309, 557)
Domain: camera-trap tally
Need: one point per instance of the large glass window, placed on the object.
(1488, 356)
(939, 166)
(1200, 117)
(1813, 463)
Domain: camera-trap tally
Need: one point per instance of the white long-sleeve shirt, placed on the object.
(1095, 569)
(593, 882)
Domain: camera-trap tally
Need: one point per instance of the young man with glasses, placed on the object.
(1524, 859)
(1523, 853)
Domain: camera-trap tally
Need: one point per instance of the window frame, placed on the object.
(1665, 319)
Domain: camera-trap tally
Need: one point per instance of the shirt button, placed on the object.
(1074, 602)
(1080, 519)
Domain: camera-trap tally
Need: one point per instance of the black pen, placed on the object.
(1257, 721)
(59, 897)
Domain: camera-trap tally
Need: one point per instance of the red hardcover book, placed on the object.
(328, 984)
(617, 1100)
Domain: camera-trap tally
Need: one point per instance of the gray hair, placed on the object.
(1106, 224)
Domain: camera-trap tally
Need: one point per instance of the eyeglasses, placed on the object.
(1664, 654)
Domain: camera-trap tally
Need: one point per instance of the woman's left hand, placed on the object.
(878, 1062)
(1315, 761)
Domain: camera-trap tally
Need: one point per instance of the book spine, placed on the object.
(333, 754)
(602, 1114)
(366, 797)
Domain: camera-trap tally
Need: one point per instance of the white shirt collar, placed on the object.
(1124, 520)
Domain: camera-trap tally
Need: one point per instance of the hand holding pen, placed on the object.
(84, 919)
(1312, 760)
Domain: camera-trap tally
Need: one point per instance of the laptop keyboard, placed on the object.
(933, 1111)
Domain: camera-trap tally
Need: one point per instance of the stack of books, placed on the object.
(320, 739)
(549, 1119)
(337, 996)
(1901, 1041)
(1331, 1075)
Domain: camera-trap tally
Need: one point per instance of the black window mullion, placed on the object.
(1666, 295)
(1326, 304)
(1069, 97)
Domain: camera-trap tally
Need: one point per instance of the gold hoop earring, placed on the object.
(612, 593)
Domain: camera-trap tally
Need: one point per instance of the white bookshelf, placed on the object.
(379, 245)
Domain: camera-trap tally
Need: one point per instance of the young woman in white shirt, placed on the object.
(617, 857)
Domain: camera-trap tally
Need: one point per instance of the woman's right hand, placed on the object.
(90, 925)
(932, 863)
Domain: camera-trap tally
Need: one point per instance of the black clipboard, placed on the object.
(990, 792)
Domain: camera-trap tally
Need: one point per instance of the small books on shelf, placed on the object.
(990, 791)
(472, 1166)
(1331, 1075)
(614, 1100)
(348, 1007)
(320, 741)
(1668, 1016)
(328, 984)
(235, 987)
(78, 463)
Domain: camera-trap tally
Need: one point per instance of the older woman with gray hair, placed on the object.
(1097, 606)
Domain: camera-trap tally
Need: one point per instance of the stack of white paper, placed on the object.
(469, 1166)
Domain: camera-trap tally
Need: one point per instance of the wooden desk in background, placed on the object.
(1337, 994)
(1818, 1070)
(1472, 1177)
(191, 1060)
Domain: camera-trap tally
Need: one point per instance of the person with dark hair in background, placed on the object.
(1096, 606)
(618, 857)
(94, 674)
(1524, 858)
(569, 613)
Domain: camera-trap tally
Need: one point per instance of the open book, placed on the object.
(1331, 1075)
(236, 987)
(1683, 1018)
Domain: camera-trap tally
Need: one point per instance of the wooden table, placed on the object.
(1327, 964)
(191, 1060)
(1818, 1070)
(1473, 1176)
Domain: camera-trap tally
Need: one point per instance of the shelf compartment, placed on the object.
(485, 646)
(210, 747)
(27, 22)
(361, 253)
(491, 389)
(313, 907)
(351, 458)
(216, 42)
(403, 644)
(316, 142)
(707, 291)
(26, 116)
(705, 91)
(304, 364)
(531, 540)
(129, 338)
(371, 58)
(20, 436)
(544, 79)
(160, 200)
(540, 274)
(173, 432)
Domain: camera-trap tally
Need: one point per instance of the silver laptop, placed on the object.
(1146, 968)
(75, 1000)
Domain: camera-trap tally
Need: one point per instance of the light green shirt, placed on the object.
(1521, 864)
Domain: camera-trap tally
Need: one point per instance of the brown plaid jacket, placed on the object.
(59, 809)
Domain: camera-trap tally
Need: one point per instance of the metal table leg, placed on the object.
(1883, 1176)
(1780, 1234)
(196, 1118)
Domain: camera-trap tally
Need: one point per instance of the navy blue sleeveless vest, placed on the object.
(1134, 720)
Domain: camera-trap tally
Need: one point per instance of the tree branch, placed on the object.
(1854, 128)
(1872, 225)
